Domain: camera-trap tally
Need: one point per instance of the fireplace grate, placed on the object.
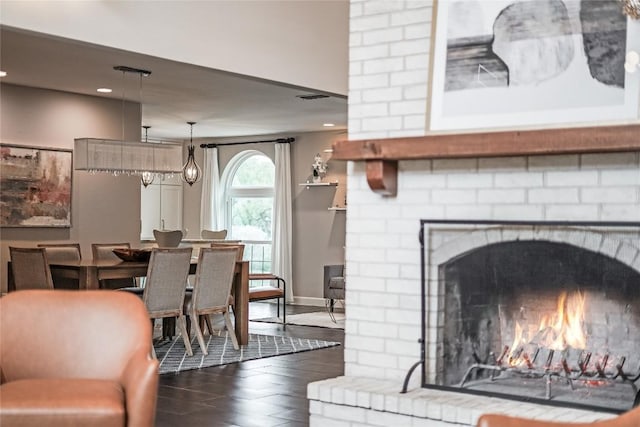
(557, 366)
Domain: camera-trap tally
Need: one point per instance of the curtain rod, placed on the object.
(277, 141)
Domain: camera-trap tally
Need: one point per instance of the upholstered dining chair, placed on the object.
(30, 268)
(628, 419)
(168, 239)
(104, 252)
(212, 290)
(63, 252)
(165, 286)
(213, 235)
(85, 361)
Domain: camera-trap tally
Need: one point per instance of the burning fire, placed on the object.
(557, 331)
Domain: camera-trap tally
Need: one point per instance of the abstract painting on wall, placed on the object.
(513, 63)
(35, 186)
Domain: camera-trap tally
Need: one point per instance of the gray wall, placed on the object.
(103, 208)
(318, 234)
(107, 208)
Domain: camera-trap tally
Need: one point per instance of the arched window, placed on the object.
(248, 195)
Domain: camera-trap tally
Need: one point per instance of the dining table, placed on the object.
(89, 272)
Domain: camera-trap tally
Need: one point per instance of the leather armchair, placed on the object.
(628, 419)
(71, 358)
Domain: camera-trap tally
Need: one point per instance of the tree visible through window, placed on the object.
(249, 198)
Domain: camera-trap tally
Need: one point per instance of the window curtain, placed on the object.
(282, 218)
(210, 204)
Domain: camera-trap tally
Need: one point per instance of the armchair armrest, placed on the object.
(140, 380)
(628, 419)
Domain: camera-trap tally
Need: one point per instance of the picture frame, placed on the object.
(491, 71)
(35, 186)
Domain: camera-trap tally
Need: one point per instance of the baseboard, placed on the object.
(312, 301)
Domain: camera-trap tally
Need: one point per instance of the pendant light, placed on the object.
(146, 177)
(191, 172)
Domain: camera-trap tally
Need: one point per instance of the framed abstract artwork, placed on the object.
(523, 63)
(35, 186)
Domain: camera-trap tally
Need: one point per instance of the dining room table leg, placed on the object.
(241, 307)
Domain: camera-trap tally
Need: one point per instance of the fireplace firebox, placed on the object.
(536, 311)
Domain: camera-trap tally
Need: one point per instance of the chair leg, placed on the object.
(284, 303)
(185, 336)
(230, 330)
(198, 328)
(207, 319)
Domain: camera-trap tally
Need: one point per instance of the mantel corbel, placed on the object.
(382, 155)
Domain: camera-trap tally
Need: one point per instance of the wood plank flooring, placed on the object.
(265, 392)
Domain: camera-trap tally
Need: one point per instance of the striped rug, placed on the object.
(173, 357)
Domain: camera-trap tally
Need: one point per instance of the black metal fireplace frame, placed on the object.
(423, 308)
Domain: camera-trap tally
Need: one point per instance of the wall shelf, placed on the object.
(319, 184)
(337, 208)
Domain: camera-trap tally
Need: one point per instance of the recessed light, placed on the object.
(3, 73)
(328, 125)
(104, 90)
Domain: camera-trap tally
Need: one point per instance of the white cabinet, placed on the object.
(161, 207)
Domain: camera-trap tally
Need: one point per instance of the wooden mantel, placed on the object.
(382, 155)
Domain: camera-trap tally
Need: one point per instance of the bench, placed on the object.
(261, 293)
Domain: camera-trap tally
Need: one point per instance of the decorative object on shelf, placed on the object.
(35, 186)
(191, 172)
(632, 62)
(319, 168)
(146, 178)
(120, 157)
(631, 8)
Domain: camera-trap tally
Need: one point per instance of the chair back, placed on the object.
(30, 268)
(166, 281)
(104, 251)
(214, 278)
(62, 251)
(213, 235)
(239, 247)
(168, 239)
(100, 331)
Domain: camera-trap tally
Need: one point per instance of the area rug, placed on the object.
(319, 318)
(173, 357)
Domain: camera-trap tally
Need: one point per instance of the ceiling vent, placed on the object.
(312, 96)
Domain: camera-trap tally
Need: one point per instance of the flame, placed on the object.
(557, 331)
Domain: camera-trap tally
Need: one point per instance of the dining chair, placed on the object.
(239, 247)
(213, 235)
(165, 287)
(211, 291)
(63, 252)
(30, 268)
(168, 239)
(104, 252)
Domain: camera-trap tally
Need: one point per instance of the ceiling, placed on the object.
(221, 103)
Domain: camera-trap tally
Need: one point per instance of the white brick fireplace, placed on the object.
(389, 74)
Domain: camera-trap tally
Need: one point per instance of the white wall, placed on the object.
(302, 43)
(103, 208)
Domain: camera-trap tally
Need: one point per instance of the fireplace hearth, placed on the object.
(538, 311)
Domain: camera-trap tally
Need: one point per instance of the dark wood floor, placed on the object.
(264, 392)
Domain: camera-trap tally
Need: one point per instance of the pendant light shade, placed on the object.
(146, 177)
(191, 172)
